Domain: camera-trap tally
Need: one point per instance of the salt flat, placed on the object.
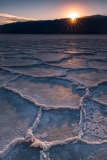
(53, 97)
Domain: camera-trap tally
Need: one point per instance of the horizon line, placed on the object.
(22, 19)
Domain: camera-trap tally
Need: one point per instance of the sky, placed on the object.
(24, 10)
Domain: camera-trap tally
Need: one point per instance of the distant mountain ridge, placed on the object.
(95, 24)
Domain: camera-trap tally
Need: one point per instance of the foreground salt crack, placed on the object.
(50, 90)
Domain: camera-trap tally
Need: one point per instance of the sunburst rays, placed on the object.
(73, 25)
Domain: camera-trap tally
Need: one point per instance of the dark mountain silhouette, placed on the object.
(95, 24)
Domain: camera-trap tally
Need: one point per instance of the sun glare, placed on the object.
(73, 15)
(73, 23)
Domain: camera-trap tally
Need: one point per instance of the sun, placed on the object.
(73, 23)
(73, 15)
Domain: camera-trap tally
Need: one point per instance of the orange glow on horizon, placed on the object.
(73, 11)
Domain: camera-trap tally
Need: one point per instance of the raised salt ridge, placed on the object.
(58, 125)
(73, 63)
(5, 77)
(48, 93)
(38, 72)
(89, 78)
(16, 116)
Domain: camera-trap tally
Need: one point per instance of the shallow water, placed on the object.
(53, 97)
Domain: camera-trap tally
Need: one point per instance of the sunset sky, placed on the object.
(22, 10)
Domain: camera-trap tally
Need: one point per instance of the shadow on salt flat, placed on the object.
(23, 152)
(78, 151)
(95, 124)
(58, 125)
(99, 93)
(16, 116)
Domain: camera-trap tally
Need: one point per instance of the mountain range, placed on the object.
(96, 24)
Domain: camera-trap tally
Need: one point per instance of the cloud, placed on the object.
(6, 18)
